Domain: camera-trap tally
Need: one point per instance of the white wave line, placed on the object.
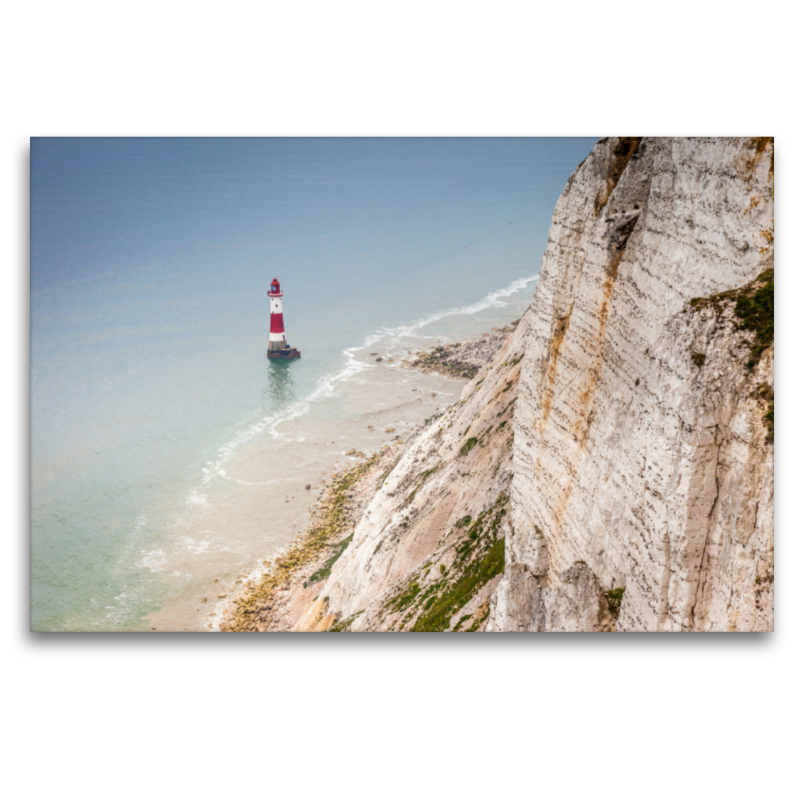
(325, 386)
(493, 299)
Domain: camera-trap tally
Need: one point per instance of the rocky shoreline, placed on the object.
(292, 584)
(462, 359)
(612, 467)
(294, 577)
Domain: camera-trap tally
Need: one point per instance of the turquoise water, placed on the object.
(150, 263)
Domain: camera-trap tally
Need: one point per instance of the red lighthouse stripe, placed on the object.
(276, 323)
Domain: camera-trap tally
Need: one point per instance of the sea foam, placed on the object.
(326, 385)
(493, 299)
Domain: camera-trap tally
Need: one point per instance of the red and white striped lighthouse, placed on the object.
(278, 348)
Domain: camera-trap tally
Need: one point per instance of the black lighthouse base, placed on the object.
(290, 352)
(282, 350)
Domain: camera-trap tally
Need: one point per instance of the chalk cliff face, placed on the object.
(640, 441)
(612, 468)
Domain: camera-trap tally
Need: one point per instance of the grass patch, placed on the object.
(344, 625)
(757, 313)
(479, 620)
(325, 571)
(428, 472)
(461, 622)
(614, 598)
(405, 598)
(480, 557)
(476, 575)
(754, 308)
(468, 445)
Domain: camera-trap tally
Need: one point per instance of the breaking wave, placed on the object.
(326, 386)
(493, 299)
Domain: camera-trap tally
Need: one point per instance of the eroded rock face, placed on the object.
(612, 467)
(640, 446)
(429, 550)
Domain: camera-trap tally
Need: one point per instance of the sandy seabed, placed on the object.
(258, 504)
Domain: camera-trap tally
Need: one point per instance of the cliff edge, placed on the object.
(643, 447)
(611, 468)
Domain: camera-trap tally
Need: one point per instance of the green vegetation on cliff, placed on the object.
(253, 610)
(479, 557)
(754, 310)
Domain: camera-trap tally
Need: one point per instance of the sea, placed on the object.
(169, 457)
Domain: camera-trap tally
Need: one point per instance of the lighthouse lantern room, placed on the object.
(278, 348)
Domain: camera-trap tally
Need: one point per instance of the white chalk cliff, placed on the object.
(612, 467)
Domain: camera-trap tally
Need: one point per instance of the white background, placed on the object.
(377, 717)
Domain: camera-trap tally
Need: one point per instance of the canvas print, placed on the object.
(457, 385)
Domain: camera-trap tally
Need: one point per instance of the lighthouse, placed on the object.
(278, 348)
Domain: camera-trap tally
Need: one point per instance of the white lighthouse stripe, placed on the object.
(277, 337)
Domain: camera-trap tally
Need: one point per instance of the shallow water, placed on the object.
(253, 501)
(164, 444)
